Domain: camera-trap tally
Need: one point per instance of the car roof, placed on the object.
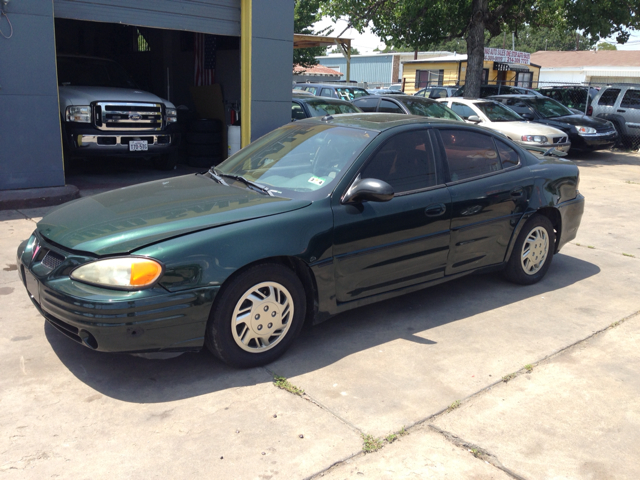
(468, 100)
(516, 95)
(334, 85)
(379, 121)
(325, 100)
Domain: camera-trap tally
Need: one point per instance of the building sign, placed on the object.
(506, 56)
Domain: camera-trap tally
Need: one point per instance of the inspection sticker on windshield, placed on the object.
(316, 180)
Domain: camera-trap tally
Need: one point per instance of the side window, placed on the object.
(367, 104)
(463, 110)
(405, 162)
(313, 90)
(469, 154)
(326, 92)
(297, 112)
(609, 97)
(387, 106)
(631, 99)
(508, 156)
(438, 93)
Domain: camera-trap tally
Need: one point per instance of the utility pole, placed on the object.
(577, 41)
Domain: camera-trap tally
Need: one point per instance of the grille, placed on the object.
(559, 139)
(52, 259)
(128, 116)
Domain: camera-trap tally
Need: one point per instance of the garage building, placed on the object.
(154, 41)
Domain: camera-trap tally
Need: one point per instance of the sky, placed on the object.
(367, 42)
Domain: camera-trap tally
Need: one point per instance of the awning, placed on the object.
(510, 67)
(344, 45)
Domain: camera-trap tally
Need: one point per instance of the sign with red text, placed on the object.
(506, 56)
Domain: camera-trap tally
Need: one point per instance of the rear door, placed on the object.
(630, 103)
(489, 194)
(384, 246)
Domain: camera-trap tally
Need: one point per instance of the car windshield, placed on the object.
(92, 72)
(496, 112)
(548, 108)
(426, 108)
(350, 93)
(320, 108)
(299, 160)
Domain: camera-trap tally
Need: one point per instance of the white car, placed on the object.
(496, 116)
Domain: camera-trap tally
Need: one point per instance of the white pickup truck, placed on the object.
(104, 114)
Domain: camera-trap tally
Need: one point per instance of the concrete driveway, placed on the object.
(477, 378)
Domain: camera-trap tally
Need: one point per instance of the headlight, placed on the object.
(129, 273)
(534, 138)
(172, 115)
(80, 114)
(585, 130)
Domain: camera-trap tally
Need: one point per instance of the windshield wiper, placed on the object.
(248, 183)
(213, 176)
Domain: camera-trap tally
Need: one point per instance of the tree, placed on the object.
(420, 24)
(354, 50)
(606, 46)
(305, 14)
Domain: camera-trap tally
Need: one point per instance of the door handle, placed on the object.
(517, 193)
(435, 210)
(622, 111)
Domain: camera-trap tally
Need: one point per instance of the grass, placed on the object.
(528, 367)
(632, 183)
(392, 437)
(284, 384)
(475, 452)
(629, 255)
(590, 246)
(506, 378)
(370, 443)
(453, 406)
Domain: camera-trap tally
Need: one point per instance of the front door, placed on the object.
(384, 246)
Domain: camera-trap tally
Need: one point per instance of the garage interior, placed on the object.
(161, 61)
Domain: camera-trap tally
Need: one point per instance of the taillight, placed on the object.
(589, 110)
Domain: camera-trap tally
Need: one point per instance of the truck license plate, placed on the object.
(138, 146)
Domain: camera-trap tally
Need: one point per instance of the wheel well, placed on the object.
(556, 220)
(304, 274)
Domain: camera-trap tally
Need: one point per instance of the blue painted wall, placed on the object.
(374, 69)
(30, 141)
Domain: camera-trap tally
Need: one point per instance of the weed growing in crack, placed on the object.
(284, 384)
(453, 406)
(528, 367)
(370, 443)
(392, 437)
(629, 255)
(506, 378)
(475, 452)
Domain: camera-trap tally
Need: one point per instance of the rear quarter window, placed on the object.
(609, 97)
(631, 99)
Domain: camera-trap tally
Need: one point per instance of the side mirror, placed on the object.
(368, 189)
(474, 118)
(527, 116)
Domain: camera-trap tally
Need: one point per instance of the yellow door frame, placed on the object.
(245, 71)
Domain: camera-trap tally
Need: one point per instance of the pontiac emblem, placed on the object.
(36, 249)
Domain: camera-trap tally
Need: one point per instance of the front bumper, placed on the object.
(83, 140)
(571, 213)
(106, 320)
(595, 141)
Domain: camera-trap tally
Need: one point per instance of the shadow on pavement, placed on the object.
(138, 380)
(601, 158)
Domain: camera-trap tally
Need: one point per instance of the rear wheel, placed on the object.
(256, 316)
(532, 252)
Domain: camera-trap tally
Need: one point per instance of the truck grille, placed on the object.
(128, 116)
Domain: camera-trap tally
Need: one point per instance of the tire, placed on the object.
(279, 296)
(195, 138)
(203, 161)
(539, 239)
(205, 125)
(165, 162)
(204, 150)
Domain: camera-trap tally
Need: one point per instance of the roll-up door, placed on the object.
(220, 17)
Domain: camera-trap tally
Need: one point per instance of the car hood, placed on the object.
(126, 219)
(515, 130)
(79, 95)
(564, 122)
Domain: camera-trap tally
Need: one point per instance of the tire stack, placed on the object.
(204, 142)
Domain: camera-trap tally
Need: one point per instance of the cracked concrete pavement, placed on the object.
(74, 413)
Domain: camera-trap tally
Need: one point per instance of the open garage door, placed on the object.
(219, 17)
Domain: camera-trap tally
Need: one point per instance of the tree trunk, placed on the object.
(475, 49)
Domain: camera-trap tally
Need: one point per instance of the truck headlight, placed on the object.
(128, 273)
(585, 130)
(172, 115)
(81, 114)
(535, 138)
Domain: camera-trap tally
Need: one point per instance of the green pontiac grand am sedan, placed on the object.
(315, 218)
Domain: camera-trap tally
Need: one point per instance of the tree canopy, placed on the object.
(422, 24)
(305, 14)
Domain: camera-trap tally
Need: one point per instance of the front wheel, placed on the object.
(532, 252)
(256, 316)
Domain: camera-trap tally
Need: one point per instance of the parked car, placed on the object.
(620, 104)
(437, 91)
(406, 104)
(384, 91)
(333, 90)
(396, 86)
(315, 218)
(585, 133)
(494, 115)
(488, 90)
(105, 114)
(304, 106)
(574, 97)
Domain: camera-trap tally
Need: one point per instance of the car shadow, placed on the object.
(138, 380)
(602, 158)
